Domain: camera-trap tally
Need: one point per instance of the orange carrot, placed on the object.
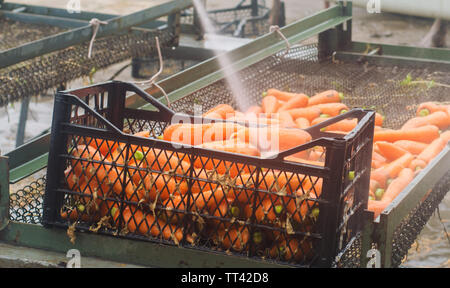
(329, 96)
(425, 134)
(390, 151)
(332, 109)
(162, 186)
(146, 224)
(377, 207)
(267, 211)
(432, 150)
(379, 119)
(84, 164)
(446, 136)
(413, 147)
(291, 248)
(270, 104)
(345, 125)
(439, 118)
(274, 139)
(220, 111)
(254, 110)
(309, 113)
(427, 108)
(398, 184)
(235, 238)
(299, 206)
(222, 167)
(219, 131)
(281, 95)
(391, 170)
(301, 122)
(285, 119)
(417, 164)
(373, 186)
(319, 120)
(377, 156)
(297, 101)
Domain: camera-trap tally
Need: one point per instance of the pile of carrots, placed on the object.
(163, 187)
(399, 154)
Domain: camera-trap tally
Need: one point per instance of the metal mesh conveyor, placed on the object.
(392, 90)
(35, 76)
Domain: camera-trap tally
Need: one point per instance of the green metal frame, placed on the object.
(333, 26)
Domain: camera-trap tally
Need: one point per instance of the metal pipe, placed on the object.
(22, 121)
(431, 8)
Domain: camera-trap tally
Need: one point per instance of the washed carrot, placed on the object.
(191, 134)
(166, 160)
(390, 151)
(273, 139)
(301, 122)
(432, 150)
(373, 186)
(332, 109)
(220, 111)
(281, 95)
(417, 164)
(309, 113)
(425, 134)
(427, 108)
(270, 104)
(398, 184)
(285, 119)
(413, 147)
(329, 96)
(439, 118)
(167, 134)
(446, 136)
(377, 156)
(256, 110)
(345, 125)
(296, 101)
(377, 207)
(219, 131)
(221, 166)
(319, 119)
(375, 164)
(316, 156)
(379, 119)
(391, 170)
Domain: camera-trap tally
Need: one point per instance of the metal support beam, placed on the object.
(22, 121)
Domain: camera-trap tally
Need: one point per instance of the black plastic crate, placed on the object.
(146, 188)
